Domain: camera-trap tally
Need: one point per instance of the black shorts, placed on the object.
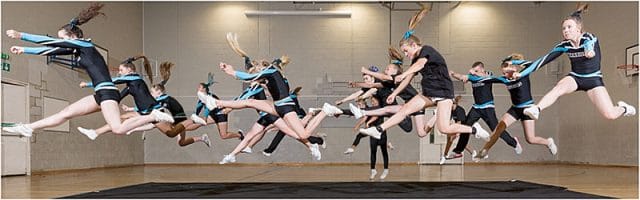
(587, 83)
(177, 120)
(267, 120)
(219, 118)
(518, 114)
(284, 109)
(106, 94)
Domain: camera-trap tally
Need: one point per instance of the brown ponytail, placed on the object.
(85, 15)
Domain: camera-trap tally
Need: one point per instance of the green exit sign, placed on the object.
(5, 56)
(6, 67)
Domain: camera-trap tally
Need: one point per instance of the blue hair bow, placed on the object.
(407, 34)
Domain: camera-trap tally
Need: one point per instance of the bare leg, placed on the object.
(600, 98)
(106, 128)
(262, 105)
(530, 133)
(84, 106)
(419, 122)
(387, 110)
(224, 134)
(443, 119)
(415, 104)
(255, 130)
(565, 86)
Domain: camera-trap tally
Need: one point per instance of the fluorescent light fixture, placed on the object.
(336, 13)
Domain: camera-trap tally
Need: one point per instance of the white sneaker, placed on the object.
(228, 159)
(630, 110)
(247, 150)
(474, 154)
(315, 152)
(161, 116)
(442, 160)
(357, 112)
(19, 128)
(518, 147)
(484, 154)
(266, 154)
(384, 174)
(371, 131)
(208, 100)
(373, 174)
(552, 147)
(481, 133)
(390, 146)
(331, 110)
(205, 139)
(349, 151)
(533, 112)
(197, 119)
(90, 133)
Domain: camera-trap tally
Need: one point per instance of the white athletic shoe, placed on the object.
(630, 110)
(324, 140)
(357, 112)
(442, 160)
(481, 133)
(266, 154)
(371, 131)
(19, 128)
(484, 154)
(208, 100)
(90, 133)
(533, 112)
(552, 147)
(390, 146)
(315, 152)
(384, 174)
(314, 111)
(349, 151)
(247, 150)
(331, 109)
(161, 116)
(373, 174)
(518, 147)
(197, 119)
(205, 139)
(474, 153)
(228, 159)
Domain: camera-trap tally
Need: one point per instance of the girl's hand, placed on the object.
(590, 54)
(83, 84)
(17, 50)
(391, 99)
(14, 34)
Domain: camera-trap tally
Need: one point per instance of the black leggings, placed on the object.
(489, 117)
(280, 135)
(382, 142)
(356, 141)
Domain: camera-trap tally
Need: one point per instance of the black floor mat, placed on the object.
(368, 190)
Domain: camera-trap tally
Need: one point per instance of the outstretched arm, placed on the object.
(400, 88)
(378, 75)
(463, 78)
(350, 97)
